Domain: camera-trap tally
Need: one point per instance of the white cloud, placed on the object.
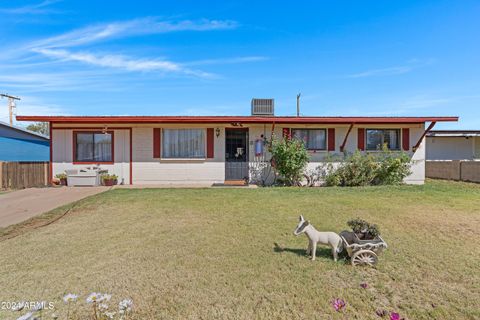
(410, 65)
(143, 26)
(233, 60)
(39, 8)
(56, 47)
(52, 81)
(121, 62)
(382, 72)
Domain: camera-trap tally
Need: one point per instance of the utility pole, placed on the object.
(11, 105)
(298, 104)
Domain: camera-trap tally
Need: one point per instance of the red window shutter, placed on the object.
(210, 143)
(286, 132)
(156, 142)
(331, 139)
(406, 139)
(361, 139)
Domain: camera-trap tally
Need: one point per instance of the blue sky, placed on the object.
(377, 58)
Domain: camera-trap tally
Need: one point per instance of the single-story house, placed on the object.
(19, 144)
(218, 149)
(453, 145)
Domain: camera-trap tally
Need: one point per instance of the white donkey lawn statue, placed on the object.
(314, 236)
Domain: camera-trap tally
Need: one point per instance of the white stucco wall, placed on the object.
(416, 130)
(451, 148)
(149, 170)
(62, 154)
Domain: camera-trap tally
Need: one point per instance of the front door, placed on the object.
(236, 154)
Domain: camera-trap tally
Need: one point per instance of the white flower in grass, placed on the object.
(26, 316)
(54, 316)
(102, 307)
(125, 305)
(105, 297)
(70, 297)
(110, 315)
(94, 297)
(19, 306)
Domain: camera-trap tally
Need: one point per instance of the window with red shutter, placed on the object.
(210, 143)
(331, 139)
(361, 139)
(156, 142)
(406, 139)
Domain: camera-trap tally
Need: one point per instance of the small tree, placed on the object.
(40, 127)
(289, 159)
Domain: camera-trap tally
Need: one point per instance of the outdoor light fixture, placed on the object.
(217, 132)
(104, 131)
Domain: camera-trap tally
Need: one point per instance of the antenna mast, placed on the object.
(10, 104)
(298, 104)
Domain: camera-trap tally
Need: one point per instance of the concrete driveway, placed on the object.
(17, 206)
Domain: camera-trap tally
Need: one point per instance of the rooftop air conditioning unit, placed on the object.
(262, 107)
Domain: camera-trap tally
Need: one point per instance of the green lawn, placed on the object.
(230, 253)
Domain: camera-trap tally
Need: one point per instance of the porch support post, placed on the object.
(273, 128)
(342, 147)
(432, 124)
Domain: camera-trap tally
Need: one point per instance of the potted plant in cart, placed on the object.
(364, 230)
(62, 177)
(109, 179)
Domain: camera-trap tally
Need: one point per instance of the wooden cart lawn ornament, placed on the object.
(362, 252)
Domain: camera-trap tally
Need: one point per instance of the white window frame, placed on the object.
(162, 140)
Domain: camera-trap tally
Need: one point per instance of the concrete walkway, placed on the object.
(17, 206)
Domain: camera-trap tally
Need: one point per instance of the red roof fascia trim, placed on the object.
(230, 119)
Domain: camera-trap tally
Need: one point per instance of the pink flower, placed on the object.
(338, 304)
(364, 285)
(394, 316)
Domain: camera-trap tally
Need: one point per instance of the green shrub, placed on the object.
(392, 168)
(289, 159)
(360, 226)
(107, 176)
(61, 176)
(358, 169)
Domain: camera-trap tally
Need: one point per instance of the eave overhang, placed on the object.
(233, 119)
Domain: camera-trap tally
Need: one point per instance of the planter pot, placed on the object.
(63, 181)
(367, 240)
(109, 182)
